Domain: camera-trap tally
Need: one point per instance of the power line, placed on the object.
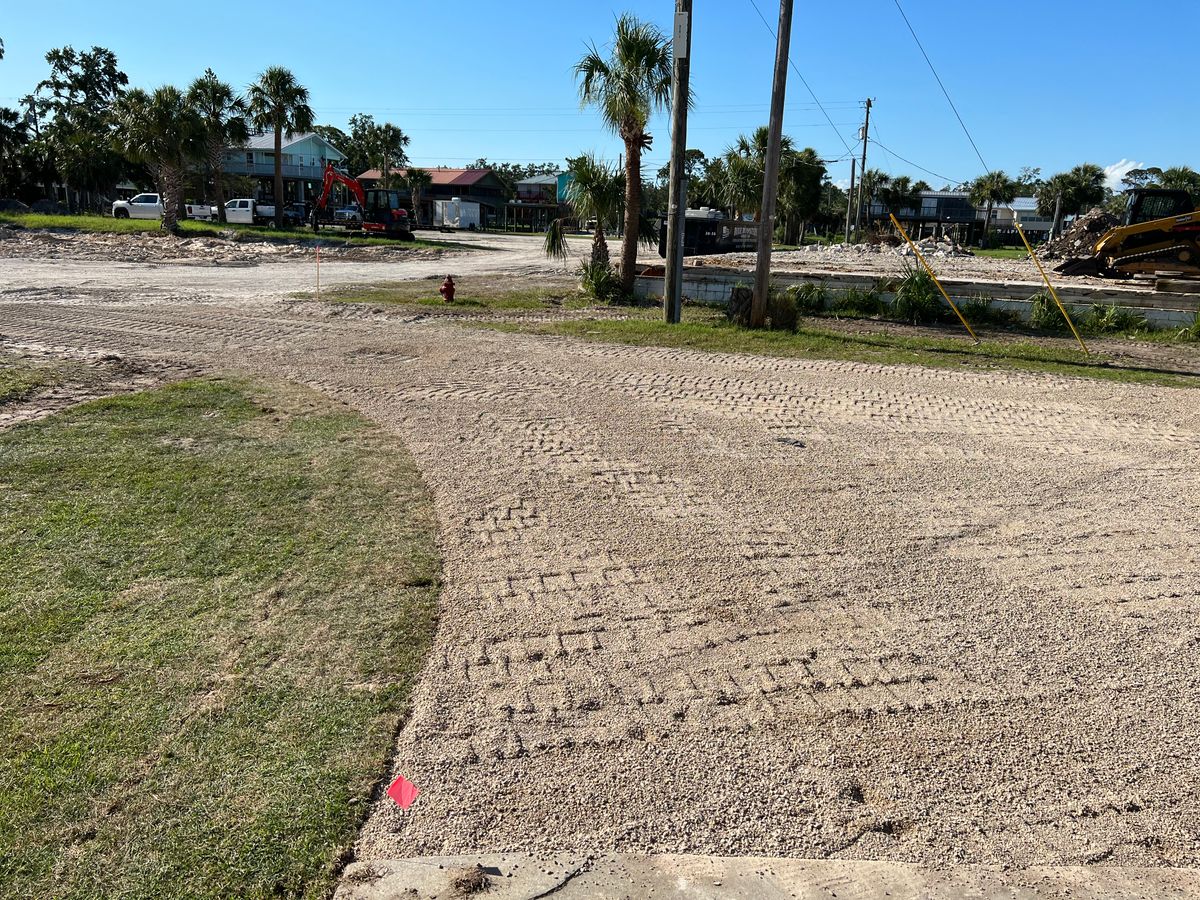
(767, 25)
(913, 164)
(943, 87)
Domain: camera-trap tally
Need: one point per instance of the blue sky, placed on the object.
(1051, 84)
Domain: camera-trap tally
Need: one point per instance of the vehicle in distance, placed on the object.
(245, 211)
(149, 206)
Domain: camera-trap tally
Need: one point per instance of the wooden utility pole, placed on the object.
(766, 219)
(862, 170)
(677, 197)
(850, 200)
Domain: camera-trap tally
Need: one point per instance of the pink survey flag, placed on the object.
(403, 791)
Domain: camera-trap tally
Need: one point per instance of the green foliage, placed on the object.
(601, 283)
(855, 302)
(381, 146)
(918, 300)
(782, 312)
(1104, 318)
(1080, 189)
(555, 245)
(811, 299)
(1190, 333)
(980, 310)
(1044, 313)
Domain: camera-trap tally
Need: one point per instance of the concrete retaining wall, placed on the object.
(1162, 310)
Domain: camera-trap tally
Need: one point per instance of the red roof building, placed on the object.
(475, 185)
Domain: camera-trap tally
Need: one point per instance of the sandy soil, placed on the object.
(735, 605)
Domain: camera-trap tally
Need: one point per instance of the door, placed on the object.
(145, 206)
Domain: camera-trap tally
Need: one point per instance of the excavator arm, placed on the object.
(331, 177)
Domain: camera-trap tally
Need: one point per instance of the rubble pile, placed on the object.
(930, 248)
(1078, 241)
(230, 248)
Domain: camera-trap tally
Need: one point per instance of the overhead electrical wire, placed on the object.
(929, 63)
(767, 25)
(892, 152)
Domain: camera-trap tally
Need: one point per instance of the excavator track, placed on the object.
(1183, 258)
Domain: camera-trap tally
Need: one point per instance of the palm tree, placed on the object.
(990, 189)
(279, 103)
(747, 163)
(627, 87)
(594, 192)
(224, 116)
(417, 180)
(163, 132)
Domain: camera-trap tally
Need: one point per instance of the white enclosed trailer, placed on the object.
(456, 213)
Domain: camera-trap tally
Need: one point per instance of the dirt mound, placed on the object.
(1078, 240)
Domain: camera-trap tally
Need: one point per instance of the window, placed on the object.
(250, 158)
(145, 198)
(232, 204)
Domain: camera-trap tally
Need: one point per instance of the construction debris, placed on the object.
(231, 247)
(929, 247)
(1078, 240)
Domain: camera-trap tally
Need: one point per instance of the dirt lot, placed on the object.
(735, 605)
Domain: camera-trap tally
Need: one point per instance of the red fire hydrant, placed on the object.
(447, 289)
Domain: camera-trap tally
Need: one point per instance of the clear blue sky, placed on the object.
(1050, 84)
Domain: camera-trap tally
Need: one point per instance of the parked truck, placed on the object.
(150, 206)
(245, 211)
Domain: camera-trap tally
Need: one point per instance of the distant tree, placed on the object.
(338, 138)
(801, 177)
(77, 100)
(871, 185)
(1028, 179)
(832, 211)
(1182, 178)
(990, 189)
(223, 114)
(594, 192)
(511, 173)
(1136, 178)
(165, 133)
(417, 180)
(627, 87)
(693, 165)
(279, 103)
(1079, 190)
(14, 137)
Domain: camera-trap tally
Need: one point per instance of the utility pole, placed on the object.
(1054, 226)
(862, 170)
(850, 200)
(766, 219)
(677, 197)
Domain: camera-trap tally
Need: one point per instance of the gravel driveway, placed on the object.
(734, 605)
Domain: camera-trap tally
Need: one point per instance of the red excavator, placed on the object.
(380, 211)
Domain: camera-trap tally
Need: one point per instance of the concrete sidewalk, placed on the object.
(499, 877)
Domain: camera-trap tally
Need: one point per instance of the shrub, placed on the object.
(781, 311)
(810, 298)
(601, 283)
(917, 297)
(740, 299)
(978, 310)
(1190, 332)
(859, 302)
(1109, 319)
(1044, 313)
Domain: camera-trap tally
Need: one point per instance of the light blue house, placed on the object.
(304, 158)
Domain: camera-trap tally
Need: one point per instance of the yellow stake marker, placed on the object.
(1053, 293)
(929, 269)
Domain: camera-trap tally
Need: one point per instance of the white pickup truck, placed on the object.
(149, 206)
(250, 212)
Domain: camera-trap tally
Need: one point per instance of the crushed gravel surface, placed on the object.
(735, 605)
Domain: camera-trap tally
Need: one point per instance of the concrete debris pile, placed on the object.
(1078, 241)
(230, 248)
(929, 247)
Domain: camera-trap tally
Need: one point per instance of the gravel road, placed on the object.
(733, 605)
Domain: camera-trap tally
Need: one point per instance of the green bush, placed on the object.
(918, 300)
(1190, 332)
(600, 282)
(859, 302)
(1107, 319)
(811, 299)
(782, 312)
(1044, 313)
(978, 310)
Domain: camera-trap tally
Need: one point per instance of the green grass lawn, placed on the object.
(214, 599)
(194, 228)
(704, 329)
(1002, 252)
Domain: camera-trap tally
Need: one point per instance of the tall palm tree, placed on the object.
(163, 132)
(279, 103)
(594, 192)
(417, 180)
(627, 88)
(224, 116)
(990, 189)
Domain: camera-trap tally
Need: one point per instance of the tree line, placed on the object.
(84, 128)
